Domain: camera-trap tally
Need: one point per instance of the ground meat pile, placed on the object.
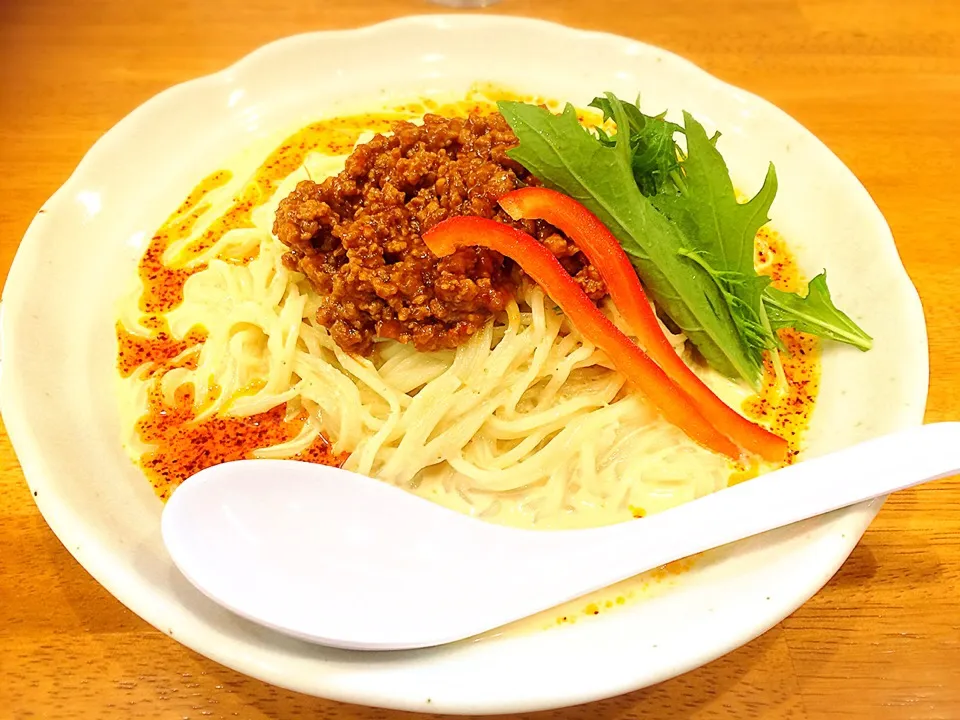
(357, 236)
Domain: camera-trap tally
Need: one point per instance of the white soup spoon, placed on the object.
(344, 560)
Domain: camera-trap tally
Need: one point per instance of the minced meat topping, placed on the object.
(357, 235)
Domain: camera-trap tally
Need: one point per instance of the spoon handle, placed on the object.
(871, 469)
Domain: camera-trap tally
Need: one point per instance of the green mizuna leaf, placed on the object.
(655, 155)
(815, 314)
(566, 157)
(720, 233)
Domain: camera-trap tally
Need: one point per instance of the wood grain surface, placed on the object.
(877, 80)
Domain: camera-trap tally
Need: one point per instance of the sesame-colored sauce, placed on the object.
(786, 410)
(163, 285)
(184, 447)
(156, 351)
(624, 592)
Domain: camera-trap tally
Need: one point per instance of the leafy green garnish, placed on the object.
(653, 151)
(815, 314)
(720, 232)
(566, 157)
(676, 215)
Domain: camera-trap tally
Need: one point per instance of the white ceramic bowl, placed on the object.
(81, 249)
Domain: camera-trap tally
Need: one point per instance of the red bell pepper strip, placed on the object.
(607, 256)
(540, 264)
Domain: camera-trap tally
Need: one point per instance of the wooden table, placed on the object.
(877, 80)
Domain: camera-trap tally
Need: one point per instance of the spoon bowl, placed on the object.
(348, 561)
